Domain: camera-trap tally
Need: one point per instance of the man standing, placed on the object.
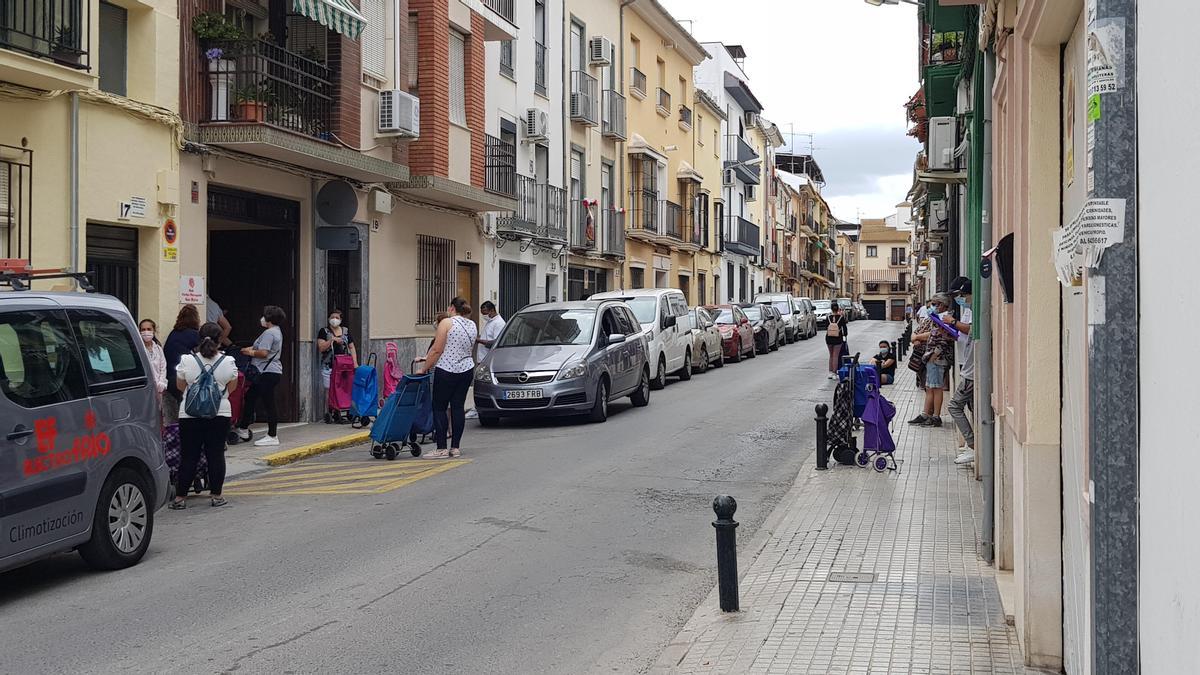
(964, 392)
(493, 324)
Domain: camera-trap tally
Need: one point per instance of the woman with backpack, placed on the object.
(835, 338)
(206, 377)
(263, 376)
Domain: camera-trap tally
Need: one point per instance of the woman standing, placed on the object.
(835, 338)
(183, 339)
(939, 350)
(158, 359)
(265, 372)
(200, 435)
(334, 340)
(451, 355)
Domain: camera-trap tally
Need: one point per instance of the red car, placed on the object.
(737, 336)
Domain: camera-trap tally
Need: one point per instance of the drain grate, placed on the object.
(852, 577)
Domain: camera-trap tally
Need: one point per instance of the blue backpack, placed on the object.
(203, 397)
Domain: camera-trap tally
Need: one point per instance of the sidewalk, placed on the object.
(933, 606)
(296, 441)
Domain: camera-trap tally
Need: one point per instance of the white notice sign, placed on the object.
(137, 207)
(1081, 243)
(191, 289)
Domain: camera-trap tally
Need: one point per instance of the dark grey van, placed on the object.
(81, 458)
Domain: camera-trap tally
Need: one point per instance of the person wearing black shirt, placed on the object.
(885, 363)
(835, 338)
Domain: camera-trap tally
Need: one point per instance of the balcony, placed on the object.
(583, 232)
(502, 7)
(498, 16)
(741, 236)
(258, 82)
(646, 219)
(664, 102)
(539, 68)
(56, 31)
(685, 118)
(673, 221)
(614, 233)
(500, 167)
(637, 84)
(793, 269)
(612, 115)
(552, 214)
(742, 155)
(583, 98)
(540, 215)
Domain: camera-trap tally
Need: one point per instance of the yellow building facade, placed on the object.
(663, 204)
(706, 159)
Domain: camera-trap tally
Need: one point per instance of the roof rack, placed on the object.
(16, 273)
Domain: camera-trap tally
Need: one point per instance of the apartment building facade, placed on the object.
(710, 207)
(882, 270)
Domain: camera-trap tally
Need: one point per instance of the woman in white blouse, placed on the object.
(451, 355)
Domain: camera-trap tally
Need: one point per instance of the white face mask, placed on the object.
(263, 322)
(335, 322)
(147, 335)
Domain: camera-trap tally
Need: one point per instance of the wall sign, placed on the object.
(191, 289)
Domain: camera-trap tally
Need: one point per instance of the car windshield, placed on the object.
(844, 303)
(644, 308)
(821, 304)
(549, 327)
(724, 316)
(782, 306)
(752, 313)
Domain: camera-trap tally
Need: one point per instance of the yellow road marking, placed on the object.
(328, 478)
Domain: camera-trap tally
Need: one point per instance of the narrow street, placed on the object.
(557, 548)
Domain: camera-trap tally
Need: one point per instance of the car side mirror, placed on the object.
(797, 311)
(669, 321)
(616, 339)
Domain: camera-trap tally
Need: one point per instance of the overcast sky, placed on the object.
(839, 69)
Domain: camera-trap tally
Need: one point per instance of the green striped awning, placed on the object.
(336, 15)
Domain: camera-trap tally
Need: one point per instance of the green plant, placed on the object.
(65, 38)
(253, 93)
(216, 26)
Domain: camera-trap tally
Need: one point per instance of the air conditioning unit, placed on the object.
(751, 119)
(399, 113)
(582, 107)
(943, 139)
(938, 218)
(935, 247)
(537, 125)
(727, 177)
(600, 51)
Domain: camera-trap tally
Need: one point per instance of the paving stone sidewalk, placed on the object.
(933, 606)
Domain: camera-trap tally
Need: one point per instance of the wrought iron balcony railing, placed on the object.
(673, 220)
(502, 7)
(255, 81)
(614, 232)
(583, 98)
(637, 83)
(646, 216)
(500, 166)
(741, 236)
(612, 116)
(56, 30)
(539, 68)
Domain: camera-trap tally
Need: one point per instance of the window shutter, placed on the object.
(458, 78)
(374, 49)
(410, 55)
(113, 22)
(307, 38)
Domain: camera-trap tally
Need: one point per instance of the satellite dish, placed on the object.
(337, 202)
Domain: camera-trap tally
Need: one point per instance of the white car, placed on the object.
(706, 340)
(663, 314)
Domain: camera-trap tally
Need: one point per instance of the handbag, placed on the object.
(916, 362)
(252, 371)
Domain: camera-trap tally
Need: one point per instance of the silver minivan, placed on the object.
(82, 461)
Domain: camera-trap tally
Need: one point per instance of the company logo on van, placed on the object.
(83, 448)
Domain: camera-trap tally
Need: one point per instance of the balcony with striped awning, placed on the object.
(336, 15)
(879, 276)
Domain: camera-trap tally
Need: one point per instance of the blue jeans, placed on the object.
(935, 375)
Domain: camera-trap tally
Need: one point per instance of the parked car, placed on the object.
(847, 308)
(808, 317)
(83, 460)
(737, 336)
(861, 311)
(789, 309)
(564, 358)
(822, 309)
(706, 340)
(659, 311)
(767, 330)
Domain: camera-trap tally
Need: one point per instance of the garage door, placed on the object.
(876, 309)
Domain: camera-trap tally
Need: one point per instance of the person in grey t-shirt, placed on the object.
(265, 357)
(964, 393)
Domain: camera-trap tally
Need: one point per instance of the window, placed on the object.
(38, 362)
(637, 277)
(374, 38)
(114, 22)
(729, 279)
(701, 291)
(685, 285)
(683, 92)
(506, 58)
(436, 276)
(109, 354)
(458, 78)
(699, 129)
(539, 47)
(635, 47)
(578, 47)
(751, 193)
(410, 54)
(898, 257)
(662, 74)
(872, 288)
(872, 252)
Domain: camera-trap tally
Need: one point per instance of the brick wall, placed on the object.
(193, 81)
(345, 62)
(400, 150)
(476, 96)
(430, 155)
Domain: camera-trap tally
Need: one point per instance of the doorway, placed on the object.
(112, 264)
(253, 261)
(468, 284)
(514, 287)
(343, 280)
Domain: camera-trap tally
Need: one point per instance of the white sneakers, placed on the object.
(244, 434)
(966, 456)
(267, 440)
(472, 414)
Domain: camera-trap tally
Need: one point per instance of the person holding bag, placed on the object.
(835, 338)
(263, 375)
(206, 379)
(450, 357)
(334, 341)
(937, 352)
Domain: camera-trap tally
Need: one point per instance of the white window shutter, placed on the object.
(458, 78)
(374, 36)
(410, 55)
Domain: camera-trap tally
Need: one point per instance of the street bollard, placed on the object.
(727, 581)
(822, 437)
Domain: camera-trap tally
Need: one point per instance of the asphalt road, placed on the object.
(560, 548)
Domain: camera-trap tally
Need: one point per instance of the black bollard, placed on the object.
(727, 581)
(822, 437)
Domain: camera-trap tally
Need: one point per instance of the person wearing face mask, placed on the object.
(158, 359)
(334, 340)
(263, 376)
(964, 392)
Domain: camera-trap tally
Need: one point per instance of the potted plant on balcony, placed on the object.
(64, 48)
(250, 102)
(216, 32)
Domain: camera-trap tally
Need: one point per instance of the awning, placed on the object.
(637, 145)
(880, 276)
(942, 176)
(336, 15)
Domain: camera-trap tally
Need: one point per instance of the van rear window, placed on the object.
(38, 362)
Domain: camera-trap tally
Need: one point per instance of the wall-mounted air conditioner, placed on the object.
(600, 51)
(399, 113)
(938, 216)
(537, 125)
(751, 119)
(727, 177)
(943, 139)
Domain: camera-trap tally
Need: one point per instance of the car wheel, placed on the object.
(705, 362)
(737, 353)
(122, 523)
(600, 407)
(641, 396)
(489, 421)
(720, 362)
(660, 377)
(775, 345)
(685, 373)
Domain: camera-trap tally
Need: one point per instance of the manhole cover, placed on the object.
(852, 577)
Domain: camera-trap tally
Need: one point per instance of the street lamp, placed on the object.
(891, 2)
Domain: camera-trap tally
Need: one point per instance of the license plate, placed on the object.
(514, 394)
